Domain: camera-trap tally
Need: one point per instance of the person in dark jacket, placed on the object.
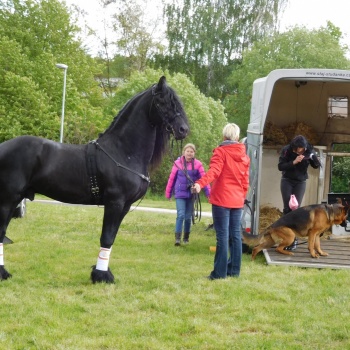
(185, 171)
(294, 161)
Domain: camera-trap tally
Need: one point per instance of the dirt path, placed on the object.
(155, 210)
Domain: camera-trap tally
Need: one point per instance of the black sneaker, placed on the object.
(293, 246)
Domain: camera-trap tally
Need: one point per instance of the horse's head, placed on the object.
(170, 110)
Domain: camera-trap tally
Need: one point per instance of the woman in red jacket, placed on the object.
(229, 174)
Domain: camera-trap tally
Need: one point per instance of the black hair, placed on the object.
(299, 142)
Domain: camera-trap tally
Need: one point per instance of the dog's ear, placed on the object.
(345, 209)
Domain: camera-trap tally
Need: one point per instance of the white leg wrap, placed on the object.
(103, 259)
(1, 254)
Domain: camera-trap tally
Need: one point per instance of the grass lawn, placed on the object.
(161, 298)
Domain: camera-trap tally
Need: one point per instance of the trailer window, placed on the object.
(340, 168)
(338, 107)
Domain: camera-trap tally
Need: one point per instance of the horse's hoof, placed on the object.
(4, 275)
(98, 276)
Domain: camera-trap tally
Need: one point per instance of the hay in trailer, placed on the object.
(274, 135)
(289, 130)
(278, 135)
(268, 215)
(307, 131)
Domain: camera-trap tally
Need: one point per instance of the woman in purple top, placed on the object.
(185, 171)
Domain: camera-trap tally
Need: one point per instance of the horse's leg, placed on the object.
(112, 219)
(5, 216)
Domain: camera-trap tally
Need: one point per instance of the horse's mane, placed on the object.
(122, 111)
(160, 146)
(162, 135)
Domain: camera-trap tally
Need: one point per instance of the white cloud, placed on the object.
(315, 13)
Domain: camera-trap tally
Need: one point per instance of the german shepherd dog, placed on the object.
(309, 221)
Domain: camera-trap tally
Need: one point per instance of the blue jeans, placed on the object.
(228, 256)
(184, 207)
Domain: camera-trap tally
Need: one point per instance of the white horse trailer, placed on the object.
(318, 98)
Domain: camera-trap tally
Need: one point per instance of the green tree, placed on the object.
(207, 38)
(340, 180)
(296, 48)
(133, 39)
(206, 117)
(34, 36)
(340, 175)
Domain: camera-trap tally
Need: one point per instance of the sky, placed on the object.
(315, 13)
(311, 13)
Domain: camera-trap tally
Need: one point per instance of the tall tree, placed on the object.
(131, 37)
(210, 35)
(135, 36)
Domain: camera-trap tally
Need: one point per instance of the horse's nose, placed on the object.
(183, 130)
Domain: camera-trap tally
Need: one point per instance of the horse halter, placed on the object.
(168, 127)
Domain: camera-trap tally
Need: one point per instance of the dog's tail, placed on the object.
(252, 240)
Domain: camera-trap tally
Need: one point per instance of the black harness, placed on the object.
(91, 167)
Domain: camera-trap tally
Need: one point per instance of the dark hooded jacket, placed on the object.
(297, 172)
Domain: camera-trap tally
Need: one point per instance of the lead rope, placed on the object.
(197, 207)
(196, 200)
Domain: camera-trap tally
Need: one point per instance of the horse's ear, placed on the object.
(161, 84)
(162, 80)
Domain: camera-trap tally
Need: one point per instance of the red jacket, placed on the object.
(229, 174)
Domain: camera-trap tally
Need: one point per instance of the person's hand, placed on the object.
(315, 160)
(298, 159)
(196, 187)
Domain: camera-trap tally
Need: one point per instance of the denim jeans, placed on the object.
(184, 207)
(228, 256)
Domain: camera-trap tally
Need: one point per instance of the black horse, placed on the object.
(111, 171)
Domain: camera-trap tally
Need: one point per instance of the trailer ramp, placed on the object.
(338, 258)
